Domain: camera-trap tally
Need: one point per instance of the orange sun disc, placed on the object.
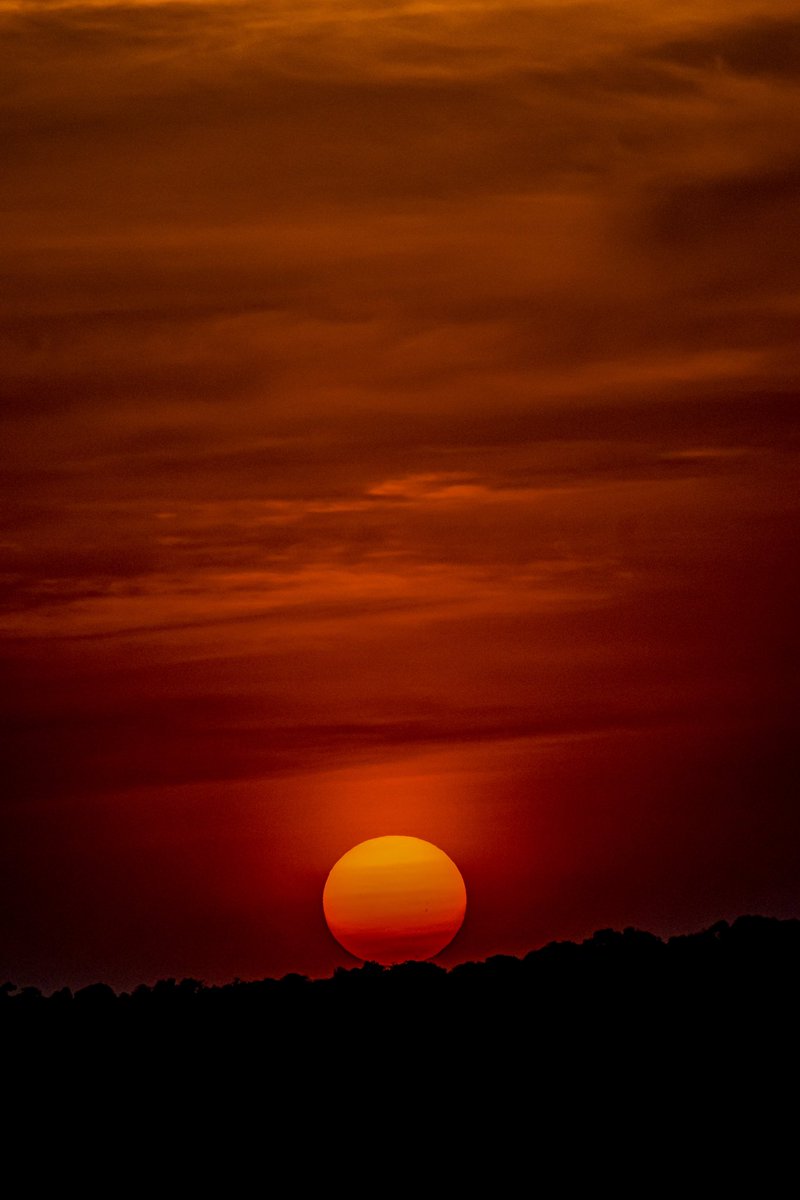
(393, 899)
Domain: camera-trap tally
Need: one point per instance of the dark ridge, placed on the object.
(614, 1058)
(752, 955)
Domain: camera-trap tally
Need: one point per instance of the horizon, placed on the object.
(10, 988)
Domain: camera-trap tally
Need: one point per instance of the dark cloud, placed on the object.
(769, 47)
(756, 205)
(155, 744)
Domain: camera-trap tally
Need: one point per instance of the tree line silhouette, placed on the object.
(747, 964)
(623, 1055)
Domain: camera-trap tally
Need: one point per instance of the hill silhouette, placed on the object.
(629, 978)
(630, 983)
(624, 1057)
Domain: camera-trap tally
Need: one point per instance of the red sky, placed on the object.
(399, 436)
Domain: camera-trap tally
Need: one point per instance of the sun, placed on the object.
(394, 899)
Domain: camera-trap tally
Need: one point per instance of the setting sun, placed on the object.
(391, 899)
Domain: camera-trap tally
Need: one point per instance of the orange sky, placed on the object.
(399, 437)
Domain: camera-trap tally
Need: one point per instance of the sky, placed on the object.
(399, 438)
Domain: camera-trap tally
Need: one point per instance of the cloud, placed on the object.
(768, 46)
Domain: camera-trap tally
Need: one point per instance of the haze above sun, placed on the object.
(392, 899)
